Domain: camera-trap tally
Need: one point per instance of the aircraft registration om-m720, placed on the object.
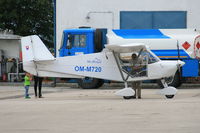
(113, 63)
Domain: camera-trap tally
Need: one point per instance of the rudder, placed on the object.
(33, 49)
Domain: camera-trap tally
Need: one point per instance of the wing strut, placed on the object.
(120, 64)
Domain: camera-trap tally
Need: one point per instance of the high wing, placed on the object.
(127, 48)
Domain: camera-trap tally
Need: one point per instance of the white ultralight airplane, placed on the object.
(115, 63)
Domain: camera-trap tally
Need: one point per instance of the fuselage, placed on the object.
(99, 65)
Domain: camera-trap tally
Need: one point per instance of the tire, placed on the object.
(169, 96)
(90, 83)
(100, 83)
(175, 81)
(128, 97)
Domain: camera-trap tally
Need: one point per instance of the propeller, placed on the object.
(179, 62)
(178, 50)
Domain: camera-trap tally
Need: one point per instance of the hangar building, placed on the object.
(125, 14)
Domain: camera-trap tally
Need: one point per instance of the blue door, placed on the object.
(153, 19)
(77, 41)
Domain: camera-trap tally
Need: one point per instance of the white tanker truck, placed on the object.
(167, 44)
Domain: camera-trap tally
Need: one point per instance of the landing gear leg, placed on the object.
(168, 91)
(165, 85)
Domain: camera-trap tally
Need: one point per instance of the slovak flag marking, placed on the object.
(27, 47)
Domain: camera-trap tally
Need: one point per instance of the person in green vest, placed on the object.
(27, 83)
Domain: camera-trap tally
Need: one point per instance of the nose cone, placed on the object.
(180, 63)
(170, 67)
(164, 68)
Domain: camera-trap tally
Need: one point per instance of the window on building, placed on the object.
(153, 19)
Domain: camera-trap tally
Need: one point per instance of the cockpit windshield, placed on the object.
(135, 64)
(149, 57)
(145, 56)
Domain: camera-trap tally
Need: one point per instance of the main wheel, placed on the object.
(90, 83)
(128, 97)
(172, 81)
(169, 96)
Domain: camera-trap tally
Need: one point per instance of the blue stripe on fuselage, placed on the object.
(171, 54)
(140, 34)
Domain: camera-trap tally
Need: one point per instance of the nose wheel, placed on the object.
(168, 91)
(169, 96)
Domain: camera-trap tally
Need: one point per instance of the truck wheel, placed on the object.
(169, 96)
(172, 81)
(90, 83)
(100, 83)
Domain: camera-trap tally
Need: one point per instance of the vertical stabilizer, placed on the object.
(33, 49)
(27, 52)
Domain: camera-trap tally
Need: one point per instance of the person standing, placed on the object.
(38, 84)
(27, 83)
(136, 85)
(137, 65)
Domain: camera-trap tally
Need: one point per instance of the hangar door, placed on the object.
(153, 19)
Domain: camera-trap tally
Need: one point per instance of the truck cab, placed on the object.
(82, 41)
